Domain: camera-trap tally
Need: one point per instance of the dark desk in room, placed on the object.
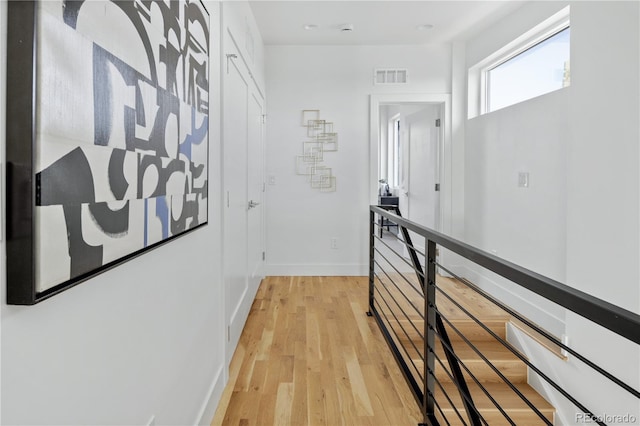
(386, 200)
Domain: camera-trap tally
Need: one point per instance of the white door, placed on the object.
(235, 148)
(255, 192)
(423, 200)
(243, 183)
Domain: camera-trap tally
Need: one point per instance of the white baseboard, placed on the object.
(237, 321)
(322, 270)
(208, 408)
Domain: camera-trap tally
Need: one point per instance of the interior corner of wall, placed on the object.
(473, 92)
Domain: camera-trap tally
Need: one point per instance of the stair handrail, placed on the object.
(614, 318)
(435, 320)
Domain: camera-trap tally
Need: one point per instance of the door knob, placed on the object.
(253, 204)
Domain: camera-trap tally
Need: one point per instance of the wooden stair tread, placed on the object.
(513, 371)
(501, 392)
(493, 351)
(407, 331)
(473, 302)
(516, 408)
(500, 357)
(503, 359)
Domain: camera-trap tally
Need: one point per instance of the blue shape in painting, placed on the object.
(162, 213)
(197, 135)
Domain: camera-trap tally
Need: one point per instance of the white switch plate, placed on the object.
(523, 179)
(272, 180)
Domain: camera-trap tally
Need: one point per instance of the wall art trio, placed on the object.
(320, 138)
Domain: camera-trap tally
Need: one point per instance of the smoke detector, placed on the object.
(345, 27)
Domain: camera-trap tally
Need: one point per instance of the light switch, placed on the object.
(272, 180)
(523, 179)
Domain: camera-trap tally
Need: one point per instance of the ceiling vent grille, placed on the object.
(390, 76)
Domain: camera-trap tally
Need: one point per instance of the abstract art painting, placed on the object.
(107, 138)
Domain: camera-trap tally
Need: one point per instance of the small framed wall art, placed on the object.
(107, 136)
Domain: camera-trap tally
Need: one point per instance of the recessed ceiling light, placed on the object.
(345, 27)
(424, 27)
(310, 27)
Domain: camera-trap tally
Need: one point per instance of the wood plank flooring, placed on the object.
(309, 355)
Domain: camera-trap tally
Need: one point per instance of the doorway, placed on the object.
(243, 183)
(410, 158)
(427, 132)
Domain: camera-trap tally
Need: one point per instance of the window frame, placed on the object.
(479, 73)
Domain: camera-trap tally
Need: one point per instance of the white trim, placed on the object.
(237, 321)
(323, 270)
(477, 74)
(446, 160)
(247, 64)
(555, 24)
(210, 404)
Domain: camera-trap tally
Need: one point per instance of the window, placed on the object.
(540, 69)
(533, 64)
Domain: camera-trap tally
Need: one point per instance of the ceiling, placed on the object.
(381, 22)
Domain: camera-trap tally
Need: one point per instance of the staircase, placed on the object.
(471, 325)
(447, 395)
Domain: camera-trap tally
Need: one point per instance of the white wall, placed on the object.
(337, 80)
(524, 225)
(603, 212)
(146, 338)
(579, 220)
(603, 151)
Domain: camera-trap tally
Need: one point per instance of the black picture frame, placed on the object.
(22, 180)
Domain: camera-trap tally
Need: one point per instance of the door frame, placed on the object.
(236, 317)
(256, 275)
(445, 224)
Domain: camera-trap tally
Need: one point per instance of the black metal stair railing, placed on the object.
(415, 314)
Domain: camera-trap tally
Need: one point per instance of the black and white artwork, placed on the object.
(121, 130)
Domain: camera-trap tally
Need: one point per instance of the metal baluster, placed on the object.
(372, 218)
(429, 290)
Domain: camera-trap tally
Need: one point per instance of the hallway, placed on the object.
(310, 355)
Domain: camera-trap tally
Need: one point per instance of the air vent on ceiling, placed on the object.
(390, 76)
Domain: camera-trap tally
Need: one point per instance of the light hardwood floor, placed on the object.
(309, 355)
